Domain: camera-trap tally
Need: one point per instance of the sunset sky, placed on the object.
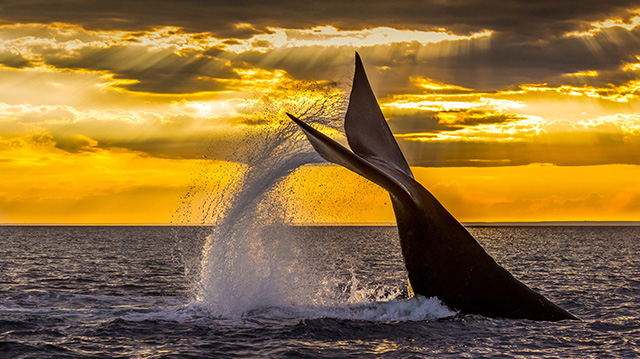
(116, 111)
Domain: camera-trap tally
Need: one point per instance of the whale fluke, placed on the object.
(441, 257)
(367, 131)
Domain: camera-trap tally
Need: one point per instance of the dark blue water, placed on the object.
(143, 292)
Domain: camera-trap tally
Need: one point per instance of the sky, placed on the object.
(118, 111)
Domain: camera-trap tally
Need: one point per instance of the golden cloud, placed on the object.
(625, 92)
(629, 23)
(330, 36)
(432, 86)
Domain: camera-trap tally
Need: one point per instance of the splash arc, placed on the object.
(441, 257)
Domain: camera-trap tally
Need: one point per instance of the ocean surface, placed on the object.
(301, 292)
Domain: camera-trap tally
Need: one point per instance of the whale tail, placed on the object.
(367, 131)
(334, 152)
(374, 152)
(441, 257)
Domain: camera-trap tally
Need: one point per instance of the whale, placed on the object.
(441, 257)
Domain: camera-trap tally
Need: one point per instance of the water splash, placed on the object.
(252, 260)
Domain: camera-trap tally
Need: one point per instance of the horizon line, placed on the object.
(338, 224)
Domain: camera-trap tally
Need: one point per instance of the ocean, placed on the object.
(301, 292)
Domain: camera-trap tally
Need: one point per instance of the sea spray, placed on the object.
(253, 259)
(247, 261)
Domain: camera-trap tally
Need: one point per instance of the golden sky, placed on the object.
(120, 113)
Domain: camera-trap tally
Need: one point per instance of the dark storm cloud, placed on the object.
(525, 18)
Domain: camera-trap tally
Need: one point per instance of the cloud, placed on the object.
(330, 36)
(172, 60)
(453, 98)
(624, 92)
(425, 121)
(75, 143)
(75, 131)
(488, 64)
(250, 17)
(215, 129)
(162, 61)
(115, 101)
(160, 71)
(606, 140)
(628, 22)
(11, 59)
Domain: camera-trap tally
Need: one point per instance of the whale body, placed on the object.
(441, 257)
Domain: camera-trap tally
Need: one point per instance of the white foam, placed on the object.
(414, 309)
